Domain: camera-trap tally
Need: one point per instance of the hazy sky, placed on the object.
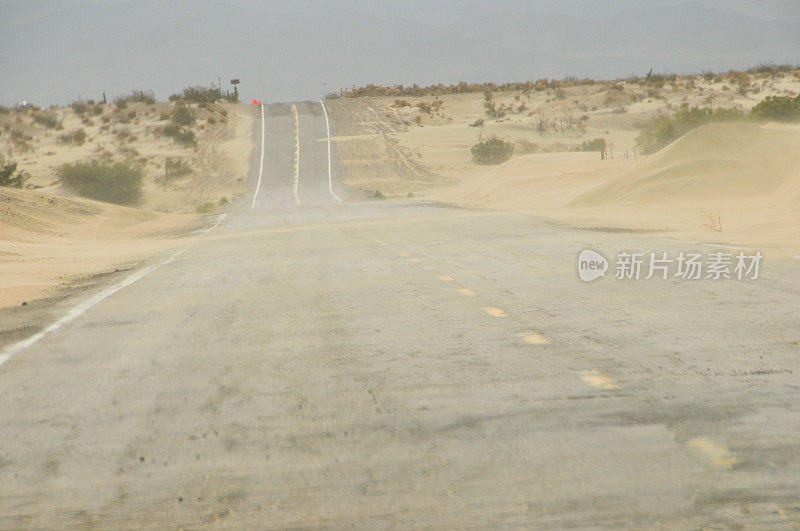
(53, 51)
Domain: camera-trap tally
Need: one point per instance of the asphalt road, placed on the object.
(404, 364)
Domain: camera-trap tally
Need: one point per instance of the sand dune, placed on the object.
(736, 183)
(719, 161)
(49, 242)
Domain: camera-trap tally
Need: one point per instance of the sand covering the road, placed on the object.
(735, 183)
(47, 243)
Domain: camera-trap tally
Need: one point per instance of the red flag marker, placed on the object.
(256, 102)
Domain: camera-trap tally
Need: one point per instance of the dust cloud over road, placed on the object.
(405, 363)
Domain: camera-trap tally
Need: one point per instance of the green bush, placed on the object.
(477, 123)
(179, 134)
(664, 129)
(9, 176)
(183, 115)
(778, 108)
(118, 182)
(493, 150)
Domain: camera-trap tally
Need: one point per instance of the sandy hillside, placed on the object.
(50, 239)
(734, 183)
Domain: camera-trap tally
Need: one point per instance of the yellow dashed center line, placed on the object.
(401, 253)
(444, 278)
(719, 454)
(595, 379)
(536, 339)
(415, 260)
(495, 312)
(466, 291)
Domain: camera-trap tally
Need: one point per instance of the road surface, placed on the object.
(403, 364)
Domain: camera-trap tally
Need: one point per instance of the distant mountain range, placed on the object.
(53, 51)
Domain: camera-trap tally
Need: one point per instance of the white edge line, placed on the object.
(261, 166)
(328, 128)
(11, 351)
(219, 220)
(296, 178)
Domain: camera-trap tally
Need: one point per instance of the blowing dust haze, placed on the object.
(368, 264)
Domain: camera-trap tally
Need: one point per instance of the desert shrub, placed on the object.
(79, 107)
(477, 123)
(176, 167)
(401, 103)
(199, 94)
(77, 137)
(206, 207)
(183, 115)
(143, 96)
(118, 182)
(122, 133)
(180, 135)
(47, 119)
(492, 111)
(664, 129)
(526, 146)
(19, 134)
(493, 150)
(598, 144)
(742, 82)
(211, 120)
(424, 107)
(778, 108)
(9, 176)
(770, 68)
(121, 102)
